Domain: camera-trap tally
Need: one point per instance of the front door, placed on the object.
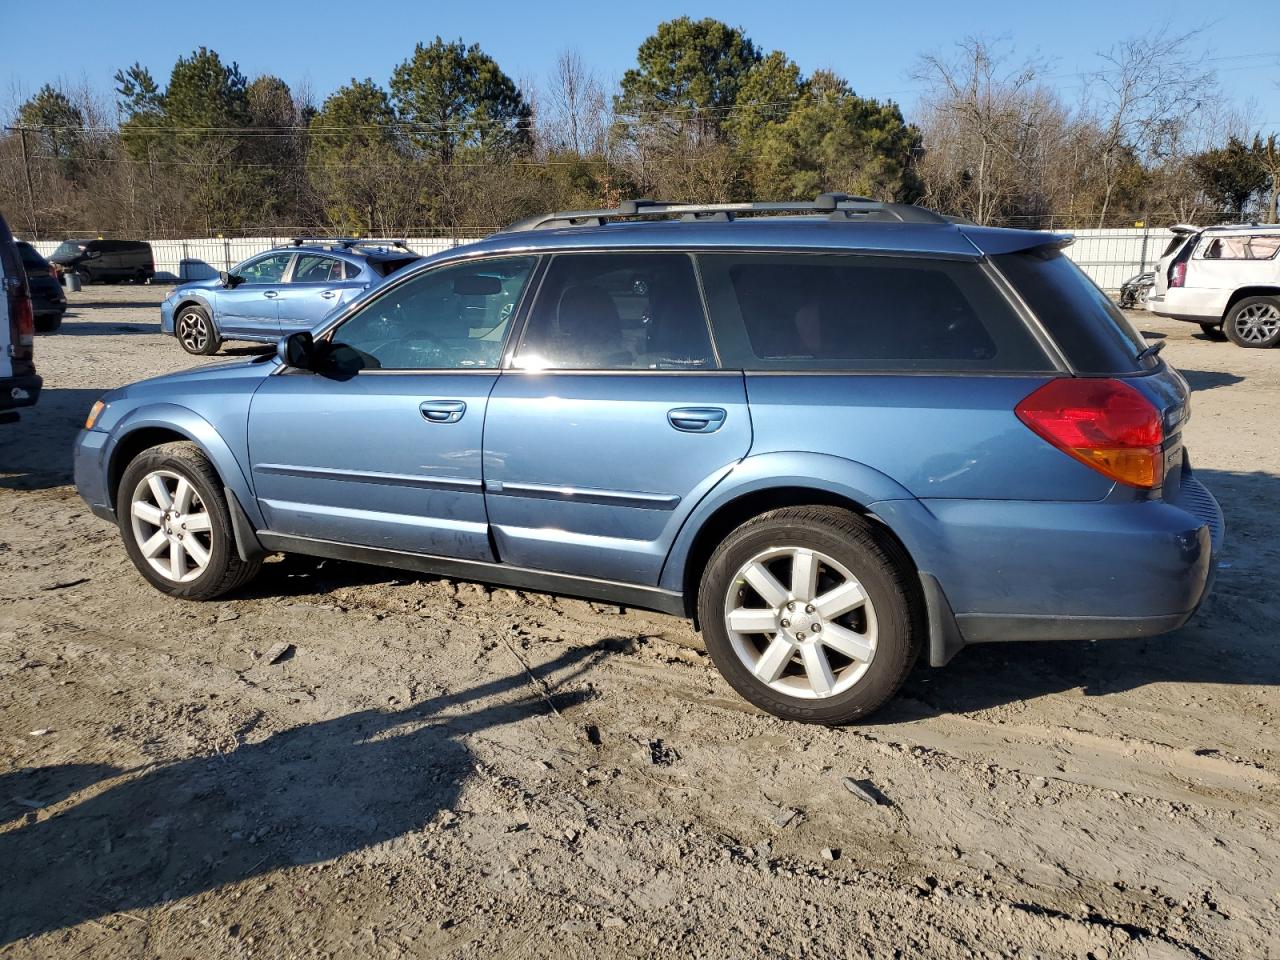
(249, 308)
(614, 421)
(382, 448)
(317, 285)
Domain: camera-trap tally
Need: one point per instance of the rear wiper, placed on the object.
(1150, 350)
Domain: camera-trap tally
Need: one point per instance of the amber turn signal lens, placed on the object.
(94, 412)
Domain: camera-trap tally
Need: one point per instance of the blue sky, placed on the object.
(324, 43)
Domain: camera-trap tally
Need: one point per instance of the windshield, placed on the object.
(68, 248)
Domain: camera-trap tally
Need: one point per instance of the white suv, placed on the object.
(19, 385)
(1227, 279)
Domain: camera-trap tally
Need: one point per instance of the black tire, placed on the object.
(86, 275)
(886, 575)
(1213, 331)
(48, 322)
(225, 570)
(1238, 325)
(195, 331)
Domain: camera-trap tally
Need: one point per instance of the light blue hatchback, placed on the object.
(278, 292)
(837, 434)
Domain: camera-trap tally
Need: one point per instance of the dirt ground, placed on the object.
(443, 769)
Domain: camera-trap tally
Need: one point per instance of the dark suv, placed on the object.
(47, 297)
(834, 440)
(106, 260)
(19, 384)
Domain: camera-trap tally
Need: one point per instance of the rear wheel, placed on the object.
(48, 322)
(176, 525)
(195, 331)
(1254, 322)
(810, 615)
(1213, 331)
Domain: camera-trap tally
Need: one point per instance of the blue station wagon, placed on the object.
(278, 292)
(836, 434)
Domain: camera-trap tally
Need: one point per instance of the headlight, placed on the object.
(94, 412)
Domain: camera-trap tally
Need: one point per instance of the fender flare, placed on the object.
(188, 423)
(829, 474)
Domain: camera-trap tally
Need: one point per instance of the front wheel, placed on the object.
(176, 525)
(810, 615)
(195, 331)
(1254, 322)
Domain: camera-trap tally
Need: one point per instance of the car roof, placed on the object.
(948, 240)
(1243, 229)
(353, 254)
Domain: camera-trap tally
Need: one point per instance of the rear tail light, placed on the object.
(1178, 275)
(1105, 424)
(24, 321)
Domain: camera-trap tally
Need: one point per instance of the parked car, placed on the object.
(279, 291)
(834, 440)
(1134, 291)
(47, 297)
(106, 261)
(19, 383)
(1227, 279)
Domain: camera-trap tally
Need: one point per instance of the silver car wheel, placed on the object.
(171, 525)
(193, 331)
(1258, 322)
(813, 638)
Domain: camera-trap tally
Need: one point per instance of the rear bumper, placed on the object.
(21, 391)
(1017, 570)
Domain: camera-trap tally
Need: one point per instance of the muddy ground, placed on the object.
(443, 769)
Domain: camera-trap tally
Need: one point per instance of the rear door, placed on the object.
(612, 421)
(318, 284)
(249, 309)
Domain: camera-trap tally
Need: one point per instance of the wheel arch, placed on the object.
(194, 301)
(1256, 290)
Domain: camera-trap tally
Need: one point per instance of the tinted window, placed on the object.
(845, 312)
(30, 259)
(453, 317)
(266, 270)
(68, 249)
(1088, 328)
(628, 311)
(313, 268)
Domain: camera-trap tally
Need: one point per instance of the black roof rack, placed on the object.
(348, 242)
(837, 206)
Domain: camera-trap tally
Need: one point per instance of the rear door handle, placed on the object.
(442, 411)
(697, 419)
(270, 294)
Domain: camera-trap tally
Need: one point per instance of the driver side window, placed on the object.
(455, 317)
(267, 270)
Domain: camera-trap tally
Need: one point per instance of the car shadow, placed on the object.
(75, 327)
(1208, 379)
(35, 452)
(1230, 640)
(304, 795)
(77, 304)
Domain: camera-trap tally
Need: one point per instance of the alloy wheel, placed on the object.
(193, 331)
(171, 525)
(1258, 322)
(800, 622)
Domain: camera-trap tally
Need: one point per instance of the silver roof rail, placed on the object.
(836, 206)
(349, 242)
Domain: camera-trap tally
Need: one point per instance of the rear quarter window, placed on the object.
(1089, 329)
(831, 312)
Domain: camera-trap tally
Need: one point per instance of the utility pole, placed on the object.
(31, 196)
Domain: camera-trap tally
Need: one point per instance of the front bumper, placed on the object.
(1020, 570)
(90, 471)
(166, 316)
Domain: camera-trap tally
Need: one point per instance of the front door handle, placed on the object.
(270, 294)
(696, 419)
(329, 294)
(442, 411)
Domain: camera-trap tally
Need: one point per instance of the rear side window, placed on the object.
(1243, 248)
(624, 311)
(1089, 329)
(850, 312)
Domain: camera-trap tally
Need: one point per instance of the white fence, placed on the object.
(1108, 256)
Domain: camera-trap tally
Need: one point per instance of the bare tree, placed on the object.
(1147, 85)
(578, 116)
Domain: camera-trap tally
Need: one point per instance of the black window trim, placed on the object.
(548, 256)
(517, 315)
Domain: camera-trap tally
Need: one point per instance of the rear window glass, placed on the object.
(30, 258)
(1089, 329)
(385, 268)
(848, 312)
(1175, 242)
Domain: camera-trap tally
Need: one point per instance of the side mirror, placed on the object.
(230, 280)
(225, 278)
(297, 350)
